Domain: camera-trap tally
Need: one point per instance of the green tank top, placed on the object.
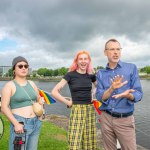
(21, 97)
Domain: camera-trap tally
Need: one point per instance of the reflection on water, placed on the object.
(142, 113)
(142, 117)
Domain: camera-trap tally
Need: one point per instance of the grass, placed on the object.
(51, 137)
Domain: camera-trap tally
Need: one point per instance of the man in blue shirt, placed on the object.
(118, 88)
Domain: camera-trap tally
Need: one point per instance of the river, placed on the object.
(142, 110)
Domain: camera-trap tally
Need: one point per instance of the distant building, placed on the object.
(4, 70)
(30, 71)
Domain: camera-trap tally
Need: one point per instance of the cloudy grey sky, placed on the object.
(50, 32)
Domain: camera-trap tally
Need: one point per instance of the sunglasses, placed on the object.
(21, 66)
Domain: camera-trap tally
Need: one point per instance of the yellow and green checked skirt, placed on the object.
(82, 128)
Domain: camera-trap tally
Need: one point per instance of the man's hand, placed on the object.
(126, 94)
(117, 82)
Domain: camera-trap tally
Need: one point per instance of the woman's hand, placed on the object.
(69, 102)
(41, 100)
(93, 100)
(19, 128)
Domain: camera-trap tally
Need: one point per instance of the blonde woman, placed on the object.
(82, 123)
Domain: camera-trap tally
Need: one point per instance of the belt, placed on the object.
(118, 115)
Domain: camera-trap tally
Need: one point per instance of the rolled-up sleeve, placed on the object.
(100, 89)
(136, 85)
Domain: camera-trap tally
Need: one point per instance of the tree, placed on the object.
(10, 72)
(145, 69)
(50, 72)
(148, 69)
(100, 67)
(34, 75)
(62, 71)
(43, 72)
(55, 72)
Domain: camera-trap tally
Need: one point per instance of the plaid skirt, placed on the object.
(82, 128)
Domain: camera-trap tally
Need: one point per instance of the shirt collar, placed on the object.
(119, 64)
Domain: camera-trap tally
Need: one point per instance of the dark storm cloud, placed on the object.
(69, 20)
(64, 26)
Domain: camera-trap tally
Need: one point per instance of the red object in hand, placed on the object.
(97, 104)
(20, 142)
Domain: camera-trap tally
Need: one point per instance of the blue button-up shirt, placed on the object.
(119, 105)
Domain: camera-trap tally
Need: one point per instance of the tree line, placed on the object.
(145, 69)
(45, 72)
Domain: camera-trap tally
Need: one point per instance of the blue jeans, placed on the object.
(32, 126)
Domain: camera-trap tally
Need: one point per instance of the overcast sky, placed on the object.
(48, 33)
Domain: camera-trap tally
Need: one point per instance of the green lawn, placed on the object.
(4, 139)
(51, 137)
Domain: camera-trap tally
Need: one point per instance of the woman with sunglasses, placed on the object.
(17, 98)
(82, 123)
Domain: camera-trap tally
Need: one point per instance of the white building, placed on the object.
(4, 70)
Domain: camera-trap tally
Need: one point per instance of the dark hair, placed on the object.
(110, 40)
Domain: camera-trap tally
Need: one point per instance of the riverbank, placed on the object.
(62, 122)
(146, 77)
(57, 78)
(43, 79)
